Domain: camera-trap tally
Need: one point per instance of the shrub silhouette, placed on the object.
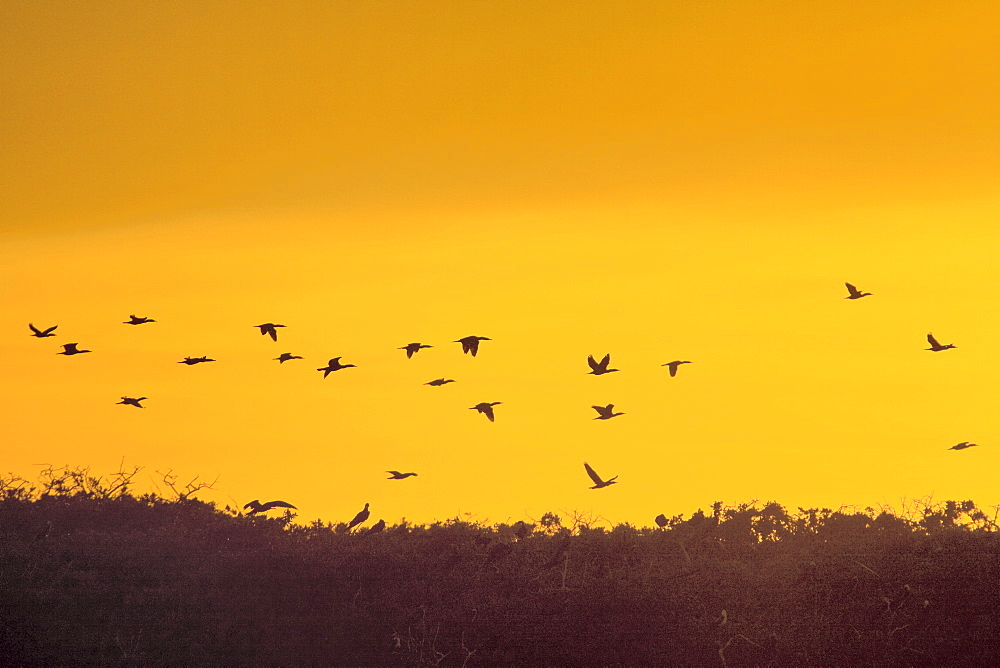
(90, 573)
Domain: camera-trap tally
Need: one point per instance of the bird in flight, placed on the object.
(598, 483)
(470, 344)
(334, 365)
(854, 292)
(673, 366)
(359, 518)
(71, 349)
(136, 320)
(42, 333)
(396, 475)
(485, 408)
(963, 445)
(269, 328)
(132, 402)
(412, 348)
(195, 360)
(440, 381)
(256, 506)
(605, 412)
(599, 368)
(935, 346)
(284, 357)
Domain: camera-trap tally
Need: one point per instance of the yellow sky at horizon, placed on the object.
(659, 181)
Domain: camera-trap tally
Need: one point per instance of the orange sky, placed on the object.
(655, 180)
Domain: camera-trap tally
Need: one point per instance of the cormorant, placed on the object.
(269, 328)
(132, 402)
(485, 408)
(195, 360)
(256, 506)
(71, 349)
(136, 320)
(284, 357)
(359, 518)
(396, 475)
(470, 344)
(854, 292)
(378, 526)
(673, 366)
(598, 483)
(963, 445)
(935, 346)
(334, 365)
(40, 333)
(412, 348)
(600, 368)
(605, 412)
(439, 382)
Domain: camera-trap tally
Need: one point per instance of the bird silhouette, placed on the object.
(195, 360)
(605, 412)
(439, 382)
(71, 349)
(661, 520)
(598, 483)
(485, 408)
(963, 445)
(136, 320)
(396, 475)
(269, 328)
(854, 292)
(42, 333)
(470, 344)
(599, 368)
(256, 506)
(378, 526)
(412, 348)
(132, 402)
(333, 365)
(673, 366)
(284, 357)
(359, 518)
(935, 346)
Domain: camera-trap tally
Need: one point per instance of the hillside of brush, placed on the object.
(92, 574)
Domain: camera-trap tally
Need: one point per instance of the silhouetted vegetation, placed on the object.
(90, 573)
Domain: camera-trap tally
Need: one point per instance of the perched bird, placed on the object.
(661, 520)
(284, 357)
(485, 408)
(136, 320)
(132, 402)
(439, 382)
(605, 412)
(378, 526)
(963, 445)
(470, 344)
(334, 365)
(195, 360)
(412, 348)
(256, 506)
(71, 349)
(396, 475)
(935, 346)
(269, 328)
(598, 483)
(599, 368)
(673, 366)
(359, 518)
(42, 333)
(854, 292)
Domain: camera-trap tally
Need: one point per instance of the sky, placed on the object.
(658, 181)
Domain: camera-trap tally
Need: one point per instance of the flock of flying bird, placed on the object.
(470, 346)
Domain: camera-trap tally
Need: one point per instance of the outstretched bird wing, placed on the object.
(592, 473)
(851, 289)
(593, 363)
(279, 504)
(931, 340)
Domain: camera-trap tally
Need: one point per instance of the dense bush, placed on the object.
(91, 574)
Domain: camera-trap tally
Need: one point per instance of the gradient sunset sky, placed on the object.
(656, 180)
